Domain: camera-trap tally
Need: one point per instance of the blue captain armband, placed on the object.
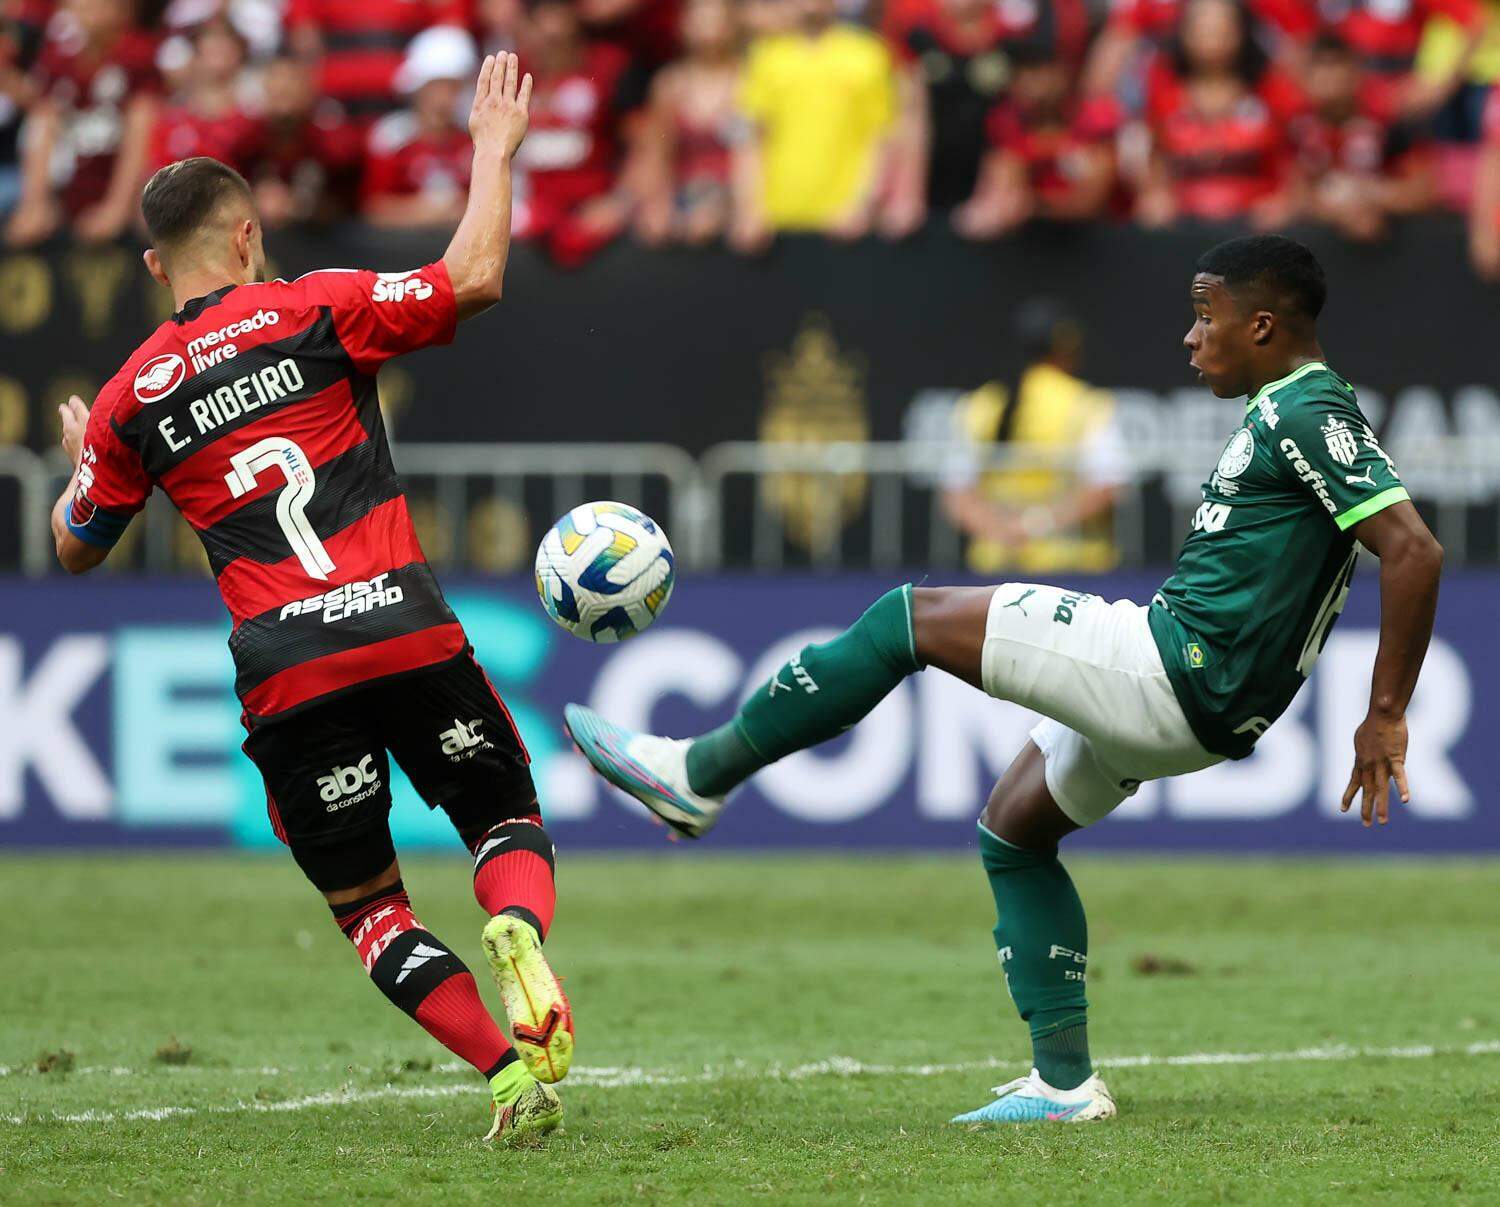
(92, 524)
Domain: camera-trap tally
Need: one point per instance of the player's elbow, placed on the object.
(71, 561)
(477, 296)
(488, 288)
(75, 556)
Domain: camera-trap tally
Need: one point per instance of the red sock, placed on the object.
(513, 868)
(413, 968)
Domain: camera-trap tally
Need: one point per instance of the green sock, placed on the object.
(824, 690)
(1043, 940)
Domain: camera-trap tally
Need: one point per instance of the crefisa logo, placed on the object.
(159, 376)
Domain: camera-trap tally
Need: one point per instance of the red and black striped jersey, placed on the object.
(255, 410)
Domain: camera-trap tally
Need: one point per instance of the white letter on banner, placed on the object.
(862, 776)
(1437, 718)
(638, 675)
(37, 729)
(966, 743)
(172, 699)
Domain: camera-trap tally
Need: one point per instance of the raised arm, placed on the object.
(476, 257)
(1410, 562)
(74, 554)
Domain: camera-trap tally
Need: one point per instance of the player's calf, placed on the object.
(513, 881)
(514, 869)
(422, 976)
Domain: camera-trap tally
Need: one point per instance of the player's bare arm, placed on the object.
(1410, 562)
(476, 257)
(75, 555)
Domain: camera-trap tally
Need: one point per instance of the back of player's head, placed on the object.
(1270, 272)
(185, 198)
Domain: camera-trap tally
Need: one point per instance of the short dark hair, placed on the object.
(182, 196)
(1285, 272)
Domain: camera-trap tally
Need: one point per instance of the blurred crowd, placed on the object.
(690, 121)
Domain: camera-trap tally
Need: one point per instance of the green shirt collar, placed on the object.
(1294, 375)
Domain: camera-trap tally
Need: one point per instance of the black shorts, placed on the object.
(328, 776)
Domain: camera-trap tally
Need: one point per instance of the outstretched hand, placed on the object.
(1379, 757)
(502, 102)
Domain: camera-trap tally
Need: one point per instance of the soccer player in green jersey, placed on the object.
(1127, 692)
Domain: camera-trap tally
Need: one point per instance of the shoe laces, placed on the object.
(1010, 1087)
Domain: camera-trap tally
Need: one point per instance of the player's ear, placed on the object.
(244, 242)
(155, 268)
(1262, 325)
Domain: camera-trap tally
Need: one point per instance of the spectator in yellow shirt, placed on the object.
(1052, 513)
(820, 99)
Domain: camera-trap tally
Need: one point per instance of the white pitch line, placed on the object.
(605, 1077)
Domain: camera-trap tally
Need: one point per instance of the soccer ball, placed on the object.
(605, 571)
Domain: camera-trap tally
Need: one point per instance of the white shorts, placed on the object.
(1091, 668)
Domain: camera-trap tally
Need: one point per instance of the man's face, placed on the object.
(815, 14)
(553, 30)
(1221, 340)
(287, 85)
(220, 54)
(1332, 82)
(100, 19)
(1041, 88)
(436, 102)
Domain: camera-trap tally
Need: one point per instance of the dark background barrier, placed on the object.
(118, 726)
(694, 347)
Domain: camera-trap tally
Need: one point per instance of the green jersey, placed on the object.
(1266, 569)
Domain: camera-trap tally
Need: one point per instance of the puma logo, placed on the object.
(777, 685)
(1364, 479)
(1021, 599)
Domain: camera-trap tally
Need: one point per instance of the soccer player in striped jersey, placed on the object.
(254, 409)
(1127, 692)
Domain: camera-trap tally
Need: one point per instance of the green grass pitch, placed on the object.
(787, 1029)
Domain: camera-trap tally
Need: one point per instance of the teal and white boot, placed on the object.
(1029, 1099)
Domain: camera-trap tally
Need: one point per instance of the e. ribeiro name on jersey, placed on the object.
(1264, 573)
(255, 410)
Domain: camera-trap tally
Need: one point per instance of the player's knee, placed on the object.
(1002, 811)
(948, 627)
(932, 610)
(348, 864)
(1021, 810)
(475, 813)
(511, 835)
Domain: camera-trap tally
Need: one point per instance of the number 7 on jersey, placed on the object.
(291, 505)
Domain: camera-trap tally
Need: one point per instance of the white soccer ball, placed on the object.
(605, 571)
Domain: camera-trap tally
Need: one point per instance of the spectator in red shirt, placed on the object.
(98, 87)
(359, 45)
(308, 164)
(1137, 25)
(1051, 155)
(1484, 213)
(1385, 35)
(1355, 168)
(206, 118)
(681, 164)
(570, 154)
(1217, 115)
(417, 168)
